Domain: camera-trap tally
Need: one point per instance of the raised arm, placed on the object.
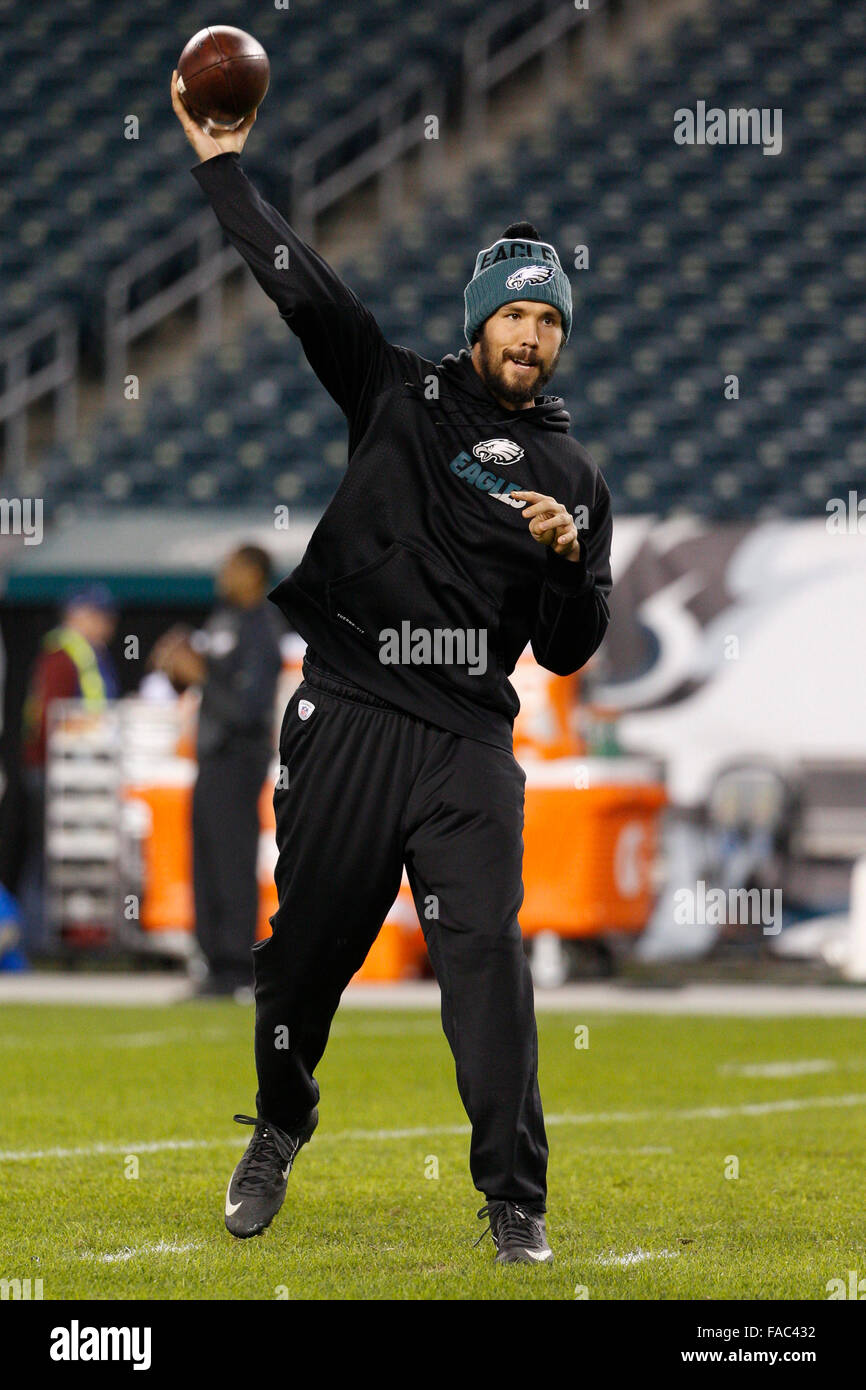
(340, 337)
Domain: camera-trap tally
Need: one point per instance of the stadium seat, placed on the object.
(704, 261)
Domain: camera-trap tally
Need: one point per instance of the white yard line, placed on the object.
(777, 1069)
(747, 1000)
(634, 1257)
(705, 1112)
(141, 1039)
(172, 1247)
(132, 1040)
(161, 1247)
(399, 1028)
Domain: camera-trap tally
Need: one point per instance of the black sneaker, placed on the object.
(257, 1187)
(519, 1235)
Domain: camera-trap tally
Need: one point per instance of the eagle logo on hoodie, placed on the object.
(501, 451)
(529, 275)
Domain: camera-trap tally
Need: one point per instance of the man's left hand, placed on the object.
(551, 524)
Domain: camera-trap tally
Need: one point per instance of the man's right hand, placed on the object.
(206, 146)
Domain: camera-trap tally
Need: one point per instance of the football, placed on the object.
(222, 75)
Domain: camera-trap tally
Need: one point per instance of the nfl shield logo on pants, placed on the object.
(305, 708)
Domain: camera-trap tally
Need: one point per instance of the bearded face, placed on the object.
(518, 351)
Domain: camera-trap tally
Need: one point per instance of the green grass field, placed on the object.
(643, 1125)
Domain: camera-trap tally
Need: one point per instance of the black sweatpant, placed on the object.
(369, 789)
(225, 843)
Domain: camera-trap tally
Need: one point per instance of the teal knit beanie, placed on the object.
(517, 266)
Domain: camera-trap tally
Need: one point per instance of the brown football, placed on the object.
(222, 75)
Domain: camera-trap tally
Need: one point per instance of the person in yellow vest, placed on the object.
(73, 664)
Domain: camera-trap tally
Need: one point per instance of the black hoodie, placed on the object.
(420, 536)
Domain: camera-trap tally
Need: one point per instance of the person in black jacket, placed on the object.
(236, 661)
(468, 523)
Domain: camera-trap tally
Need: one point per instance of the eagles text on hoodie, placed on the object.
(423, 536)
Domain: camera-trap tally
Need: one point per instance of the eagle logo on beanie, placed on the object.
(529, 275)
(497, 451)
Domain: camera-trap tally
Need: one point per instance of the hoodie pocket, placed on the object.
(413, 611)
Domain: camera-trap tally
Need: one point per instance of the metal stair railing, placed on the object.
(24, 385)
(487, 60)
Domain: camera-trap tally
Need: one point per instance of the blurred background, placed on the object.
(696, 798)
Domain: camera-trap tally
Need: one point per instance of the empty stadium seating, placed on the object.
(704, 263)
(79, 195)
